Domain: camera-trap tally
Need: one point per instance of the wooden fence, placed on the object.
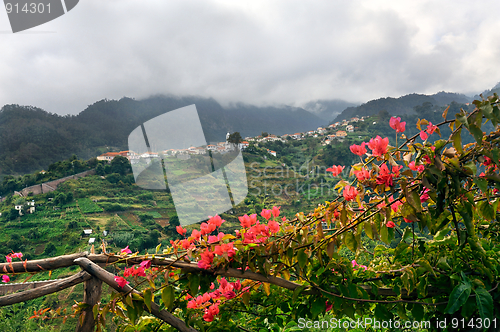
(92, 275)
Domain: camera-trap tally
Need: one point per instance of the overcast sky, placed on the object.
(257, 52)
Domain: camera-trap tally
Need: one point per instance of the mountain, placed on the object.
(402, 105)
(327, 109)
(487, 93)
(31, 138)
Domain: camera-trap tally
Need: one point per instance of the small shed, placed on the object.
(91, 240)
(87, 232)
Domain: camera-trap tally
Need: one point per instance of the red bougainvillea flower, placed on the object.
(358, 150)
(247, 221)
(207, 228)
(180, 230)
(408, 220)
(216, 220)
(215, 238)
(195, 234)
(350, 193)
(5, 278)
(385, 177)
(121, 281)
(274, 227)
(395, 206)
(207, 258)
(390, 224)
(336, 170)
(266, 214)
(17, 255)
(426, 159)
(423, 135)
(413, 167)
(276, 211)
(126, 250)
(362, 175)
(225, 248)
(328, 306)
(211, 312)
(431, 128)
(397, 125)
(378, 145)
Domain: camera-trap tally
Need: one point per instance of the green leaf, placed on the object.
(302, 257)
(400, 248)
(148, 298)
(414, 199)
(318, 306)
(168, 297)
(457, 140)
(484, 303)
(384, 234)
(487, 211)
(368, 229)
(481, 183)
(350, 241)
(418, 312)
(246, 298)
(194, 283)
(477, 133)
(296, 292)
(458, 296)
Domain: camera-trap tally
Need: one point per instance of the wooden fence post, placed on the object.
(92, 295)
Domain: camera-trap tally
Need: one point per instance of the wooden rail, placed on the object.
(92, 275)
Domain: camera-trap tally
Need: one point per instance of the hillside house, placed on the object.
(108, 156)
(272, 153)
(349, 128)
(87, 232)
(341, 134)
(243, 145)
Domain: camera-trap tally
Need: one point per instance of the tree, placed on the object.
(120, 165)
(235, 138)
(99, 170)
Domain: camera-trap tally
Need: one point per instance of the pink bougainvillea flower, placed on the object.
(358, 150)
(423, 135)
(378, 145)
(8, 258)
(431, 128)
(17, 255)
(5, 278)
(425, 196)
(146, 264)
(350, 193)
(180, 230)
(207, 228)
(247, 221)
(215, 238)
(426, 159)
(126, 250)
(390, 224)
(397, 125)
(121, 281)
(336, 170)
(328, 306)
(362, 175)
(266, 214)
(276, 211)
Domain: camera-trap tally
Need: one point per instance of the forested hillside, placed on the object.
(31, 138)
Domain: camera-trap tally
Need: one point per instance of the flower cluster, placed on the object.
(210, 301)
(397, 125)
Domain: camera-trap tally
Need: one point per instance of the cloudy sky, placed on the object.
(257, 52)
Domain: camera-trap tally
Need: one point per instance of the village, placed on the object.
(336, 131)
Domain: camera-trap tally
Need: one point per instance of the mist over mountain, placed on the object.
(402, 105)
(31, 138)
(327, 109)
